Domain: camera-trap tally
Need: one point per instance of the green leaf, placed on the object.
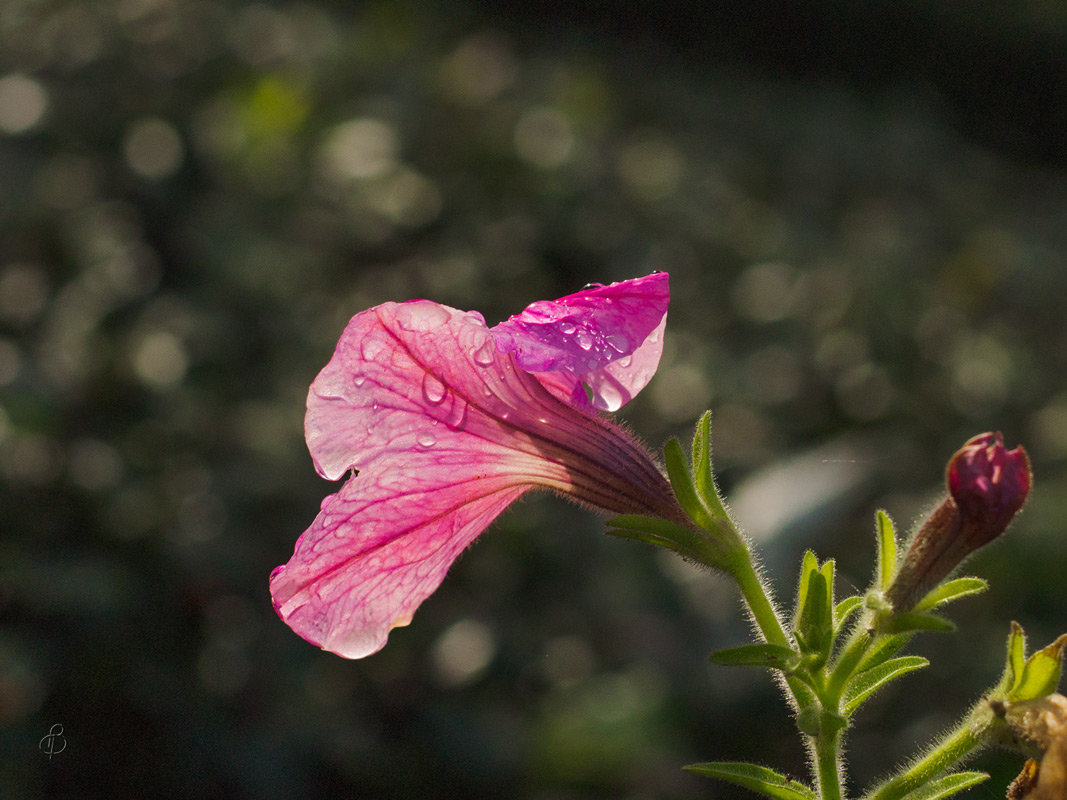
(887, 550)
(883, 649)
(1016, 655)
(655, 531)
(702, 475)
(867, 683)
(815, 628)
(845, 609)
(1041, 673)
(911, 621)
(827, 571)
(947, 786)
(808, 564)
(682, 483)
(764, 780)
(951, 590)
(775, 656)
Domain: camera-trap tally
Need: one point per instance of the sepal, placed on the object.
(1036, 676)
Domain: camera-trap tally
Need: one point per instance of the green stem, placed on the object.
(825, 747)
(828, 764)
(956, 745)
(756, 597)
(858, 644)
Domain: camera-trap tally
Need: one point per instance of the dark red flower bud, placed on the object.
(987, 485)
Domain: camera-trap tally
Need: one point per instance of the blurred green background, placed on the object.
(863, 209)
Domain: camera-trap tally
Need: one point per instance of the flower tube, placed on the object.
(447, 422)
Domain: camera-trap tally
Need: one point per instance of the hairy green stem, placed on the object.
(824, 747)
(858, 644)
(828, 763)
(952, 748)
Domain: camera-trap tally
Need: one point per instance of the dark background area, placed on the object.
(863, 212)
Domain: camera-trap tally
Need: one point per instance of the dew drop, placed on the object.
(625, 361)
(566, 328)
(420, 316)
(486, 354)
(359, 379)
(610, 397)
(425, 439)
(618, 342)
(433, 390)
(585, 341)
(457, 418)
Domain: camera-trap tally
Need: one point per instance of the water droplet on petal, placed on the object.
(585, 341)
(592, 286)
(566, 328)
(486, 354)
(625, 361)
(425, 439)
(618, 342)
(433, 390)
(359, 379)
(421, 316)
(457, 418)
(610, 397)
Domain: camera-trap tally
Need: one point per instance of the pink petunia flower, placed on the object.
(448, 422)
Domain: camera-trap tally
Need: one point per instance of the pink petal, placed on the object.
(381, 546)
(609, 338)
(446, 431)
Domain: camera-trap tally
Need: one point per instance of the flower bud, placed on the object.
(987, 485)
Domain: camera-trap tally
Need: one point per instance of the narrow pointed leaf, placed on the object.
(887, 549)
(808, 565)
(828, 572)
(628, 525)
(759, 779)
(947, 786)
(901, 623)
(682, 483)
(883, 650)
(814, 630)
(951, 590)
(702, 474)
(867, 683)
(845, 609)
(1016, 655)
(775, 656)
